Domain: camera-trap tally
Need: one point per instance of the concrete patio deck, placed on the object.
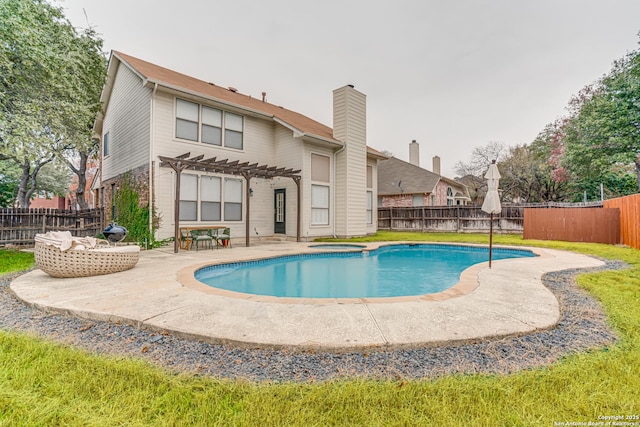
(161, 294)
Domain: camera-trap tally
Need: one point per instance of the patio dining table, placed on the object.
(185, 233)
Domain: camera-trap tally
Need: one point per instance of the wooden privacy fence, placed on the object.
(461, 219)
(20, 226)
(595, 225)
(629, 218)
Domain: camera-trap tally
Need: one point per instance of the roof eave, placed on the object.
(251, 111)
(297, 133)
(375, 154)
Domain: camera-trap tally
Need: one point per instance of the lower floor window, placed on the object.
(369, 207)
(232, 199)
(210, 198)
(319, 205)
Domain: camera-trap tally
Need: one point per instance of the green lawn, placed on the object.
(45, 383)
(12, 261)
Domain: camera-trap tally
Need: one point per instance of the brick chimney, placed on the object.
(414, 153)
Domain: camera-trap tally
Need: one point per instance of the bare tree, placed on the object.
(480, 159)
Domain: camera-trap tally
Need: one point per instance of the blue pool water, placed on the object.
(395, 270)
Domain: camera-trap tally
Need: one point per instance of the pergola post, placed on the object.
(296, 179)
(177, 167)
(247, 192)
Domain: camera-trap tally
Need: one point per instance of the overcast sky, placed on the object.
(453, 75)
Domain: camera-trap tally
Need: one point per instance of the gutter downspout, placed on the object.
(151, 161)
(335, 184)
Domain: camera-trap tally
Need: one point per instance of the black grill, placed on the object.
(115, 233)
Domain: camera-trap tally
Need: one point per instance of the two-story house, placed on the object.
(228, 151)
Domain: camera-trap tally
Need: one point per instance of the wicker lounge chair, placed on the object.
(81, 257)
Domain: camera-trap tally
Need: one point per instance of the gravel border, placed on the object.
(583, 326)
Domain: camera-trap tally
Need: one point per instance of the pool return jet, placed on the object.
(491, 204)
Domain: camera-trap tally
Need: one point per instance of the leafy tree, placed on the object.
(9, 179)
(49, 77)
(54, 178)
(526, 171)
(602, 135)
(527, 176)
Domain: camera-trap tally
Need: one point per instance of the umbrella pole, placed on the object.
(490, 238)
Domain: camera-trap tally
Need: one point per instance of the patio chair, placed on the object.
(202, 236)
(185, 239)
(224, 238)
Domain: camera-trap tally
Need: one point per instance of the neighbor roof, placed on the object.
(172, 79)
(396, 176)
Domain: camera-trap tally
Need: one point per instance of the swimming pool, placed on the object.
(389, 271)
(338, 246)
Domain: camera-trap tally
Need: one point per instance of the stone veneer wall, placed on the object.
(139, 176)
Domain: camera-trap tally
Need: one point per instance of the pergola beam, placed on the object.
(246, 170)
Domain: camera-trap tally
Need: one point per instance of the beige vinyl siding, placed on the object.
(350, 127)
(258, 147)
(288, 152)
(127, 120)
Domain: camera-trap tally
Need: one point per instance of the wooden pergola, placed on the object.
(246, 170)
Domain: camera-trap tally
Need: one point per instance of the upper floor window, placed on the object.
(449, 196)
(211, 126)
(369, 176)
(195, 122)
(187, 114)
(105, 144)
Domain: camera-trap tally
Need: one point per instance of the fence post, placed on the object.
(44, 223)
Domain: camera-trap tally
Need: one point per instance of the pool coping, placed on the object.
(508, 300)
(468, 278)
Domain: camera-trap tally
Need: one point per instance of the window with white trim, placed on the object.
(369, 195)
(187, 118)
(232, 199)
(233, 130)
(105, 145)
(449, 196)
(319, 205)
(211, 126)
(188, 197)
(210, 198)
(199, 123)
(320, 173)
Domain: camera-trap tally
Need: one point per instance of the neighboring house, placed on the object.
(406, 184)
(295, 176)
(44, 199)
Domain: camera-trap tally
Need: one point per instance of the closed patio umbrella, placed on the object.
(491, 204)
